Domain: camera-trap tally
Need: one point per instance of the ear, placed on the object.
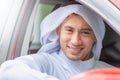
(58, 30)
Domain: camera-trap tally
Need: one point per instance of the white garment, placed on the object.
(49, 38)
(55, 66)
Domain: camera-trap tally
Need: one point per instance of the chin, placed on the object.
(74, 59)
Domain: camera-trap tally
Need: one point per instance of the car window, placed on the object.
(111, 47)
(111, 42)
(42, 11)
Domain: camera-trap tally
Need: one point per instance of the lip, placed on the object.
(75, 51)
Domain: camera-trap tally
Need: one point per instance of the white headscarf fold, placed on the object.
(49, 38)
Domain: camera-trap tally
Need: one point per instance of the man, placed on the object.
(71, 39)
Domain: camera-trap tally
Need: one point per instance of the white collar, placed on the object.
(78, 65)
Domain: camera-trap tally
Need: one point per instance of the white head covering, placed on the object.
(50, 40)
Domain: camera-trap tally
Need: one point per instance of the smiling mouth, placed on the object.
(75, 50)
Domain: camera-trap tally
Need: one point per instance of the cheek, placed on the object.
(89, 42)
(63, 42)
(64, 38)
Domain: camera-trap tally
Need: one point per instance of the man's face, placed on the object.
(76, 38)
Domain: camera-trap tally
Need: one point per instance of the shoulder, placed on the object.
(33, 61)
(46, 58)
(101, 64)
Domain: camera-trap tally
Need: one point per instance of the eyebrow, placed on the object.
(68, 27)
(88, 29)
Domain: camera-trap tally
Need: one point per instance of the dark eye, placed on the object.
(85, 33)
(69, 30)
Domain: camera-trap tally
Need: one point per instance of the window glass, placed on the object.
(43, 10)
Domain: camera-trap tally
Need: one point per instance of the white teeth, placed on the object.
(76, 48)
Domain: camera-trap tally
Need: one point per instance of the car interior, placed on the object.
(111, 47)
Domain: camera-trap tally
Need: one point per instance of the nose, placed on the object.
(76, 39)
